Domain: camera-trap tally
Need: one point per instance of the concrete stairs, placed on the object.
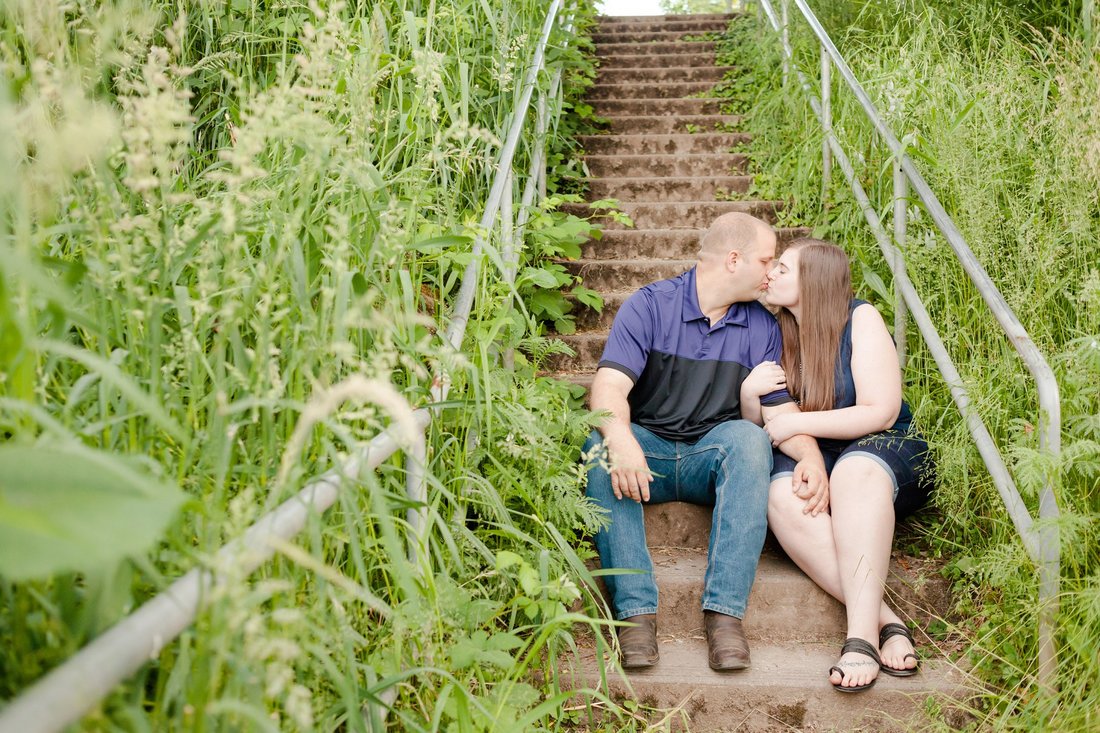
(795, 631)
(671, 160)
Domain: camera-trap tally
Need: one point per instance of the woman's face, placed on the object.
(783, 281)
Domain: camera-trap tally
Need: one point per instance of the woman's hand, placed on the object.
(766, 378)
(782, 427)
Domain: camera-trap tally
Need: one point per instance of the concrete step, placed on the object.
(640, 60)
(786, 689)
(913, 589)
(710, 73)
(676, 166)
(688, 188)
(648, 89)
(658, 35)
(589, 319)
(670, 124)
(606, 22)
(663, 144)
(625, 275)
(784, 606)
(695, 214)
(667, 49)
(675, 244)
(655, 107)
(588, 347)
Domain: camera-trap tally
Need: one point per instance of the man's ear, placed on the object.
(733, 257)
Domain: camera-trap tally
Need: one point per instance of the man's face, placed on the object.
(750, 270)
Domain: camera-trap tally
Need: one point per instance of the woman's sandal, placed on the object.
(855, 646)
(888, 631)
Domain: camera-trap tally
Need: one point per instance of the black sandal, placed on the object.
(891, 630)
(856, 646)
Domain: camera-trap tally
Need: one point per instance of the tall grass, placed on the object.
(1001, 119)
(213, 214)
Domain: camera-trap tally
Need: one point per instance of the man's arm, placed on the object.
(810, 480)
(630, 474)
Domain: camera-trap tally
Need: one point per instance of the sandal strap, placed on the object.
(855, 645)
(893, 629)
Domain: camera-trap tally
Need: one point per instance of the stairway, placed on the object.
(666, 157)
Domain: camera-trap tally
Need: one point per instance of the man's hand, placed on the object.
(630, 475)
(811, 482)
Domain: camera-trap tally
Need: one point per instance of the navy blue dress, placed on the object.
(900, 451)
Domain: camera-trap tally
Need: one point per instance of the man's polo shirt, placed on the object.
(687, 374)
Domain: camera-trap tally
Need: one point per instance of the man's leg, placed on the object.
(729, 468)
(622, 544)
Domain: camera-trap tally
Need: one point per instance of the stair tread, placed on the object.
(801, 666)
(633, 261)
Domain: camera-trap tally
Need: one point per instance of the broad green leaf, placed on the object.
(507, 558)
(541, 277)
(445, 242)
(588, 297)
(549, 303)
(72, 508)
(565, 326)
(504, 640)
(873, 281)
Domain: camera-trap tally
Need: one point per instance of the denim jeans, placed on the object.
(728, 469)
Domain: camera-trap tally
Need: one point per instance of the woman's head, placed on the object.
(810, 275)
(812, 285)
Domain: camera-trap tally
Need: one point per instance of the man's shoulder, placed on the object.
(758, 315)
(659, 292)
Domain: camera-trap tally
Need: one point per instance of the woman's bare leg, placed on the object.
(808, 541)
(861, 497)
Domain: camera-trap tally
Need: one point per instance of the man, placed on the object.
(670, 376)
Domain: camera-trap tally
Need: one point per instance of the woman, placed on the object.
(840, 364)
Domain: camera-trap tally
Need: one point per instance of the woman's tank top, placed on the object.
(845, 392)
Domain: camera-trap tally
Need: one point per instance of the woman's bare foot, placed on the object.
(896, 651)
(857, 668)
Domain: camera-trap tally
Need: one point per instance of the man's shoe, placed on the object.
(727, 647)
(638, 644)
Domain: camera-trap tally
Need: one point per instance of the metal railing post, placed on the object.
(826, 121)
(416, 488)
(540, 116)
(901, 206)
(786, 42)
(509, 254)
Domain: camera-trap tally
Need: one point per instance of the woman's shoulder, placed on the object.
(865, 317)
(861, 309)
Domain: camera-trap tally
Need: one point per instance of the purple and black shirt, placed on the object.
(687, 374)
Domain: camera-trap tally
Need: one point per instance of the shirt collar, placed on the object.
(737, 315)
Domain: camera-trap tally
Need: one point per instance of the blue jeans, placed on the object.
(728, 469)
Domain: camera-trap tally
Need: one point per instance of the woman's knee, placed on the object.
(857, 477)
(784, 506)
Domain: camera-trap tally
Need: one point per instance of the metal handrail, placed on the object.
(66, 693)
(1042, 544)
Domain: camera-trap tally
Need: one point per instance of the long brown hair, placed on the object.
(810, 350)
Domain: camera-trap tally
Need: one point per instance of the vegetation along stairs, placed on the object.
(667, 158)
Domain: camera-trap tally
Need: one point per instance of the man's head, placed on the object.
(735, 254)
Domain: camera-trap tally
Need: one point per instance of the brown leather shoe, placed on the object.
(727, 647)
(638, 644)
